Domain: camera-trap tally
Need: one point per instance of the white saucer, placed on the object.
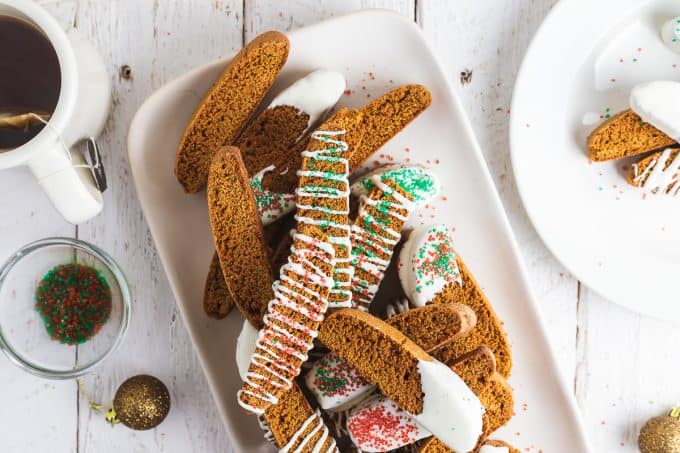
(622, 242)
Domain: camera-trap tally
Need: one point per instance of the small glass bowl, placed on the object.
(23, 336)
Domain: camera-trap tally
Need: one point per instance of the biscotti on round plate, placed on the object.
(650, 129)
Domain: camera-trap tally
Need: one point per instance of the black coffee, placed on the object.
(30, 80)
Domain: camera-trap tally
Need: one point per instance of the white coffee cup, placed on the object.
(81, 111)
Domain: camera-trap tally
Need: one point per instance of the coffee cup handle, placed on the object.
(68, 183)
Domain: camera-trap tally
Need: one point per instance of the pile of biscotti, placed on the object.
(302, 244)
(628, 135)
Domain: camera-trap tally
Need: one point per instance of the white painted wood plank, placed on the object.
(158, 41)
(263, 15)
(481, 44)
(627, 371)
(35, 413)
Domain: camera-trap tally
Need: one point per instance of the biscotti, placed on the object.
(430, 271)
(407, 375)
(386, 116)
(487, 332)
(379, 425)
(295, 426)
(428, 263)
(217, 301)
(336, 385)
(228, 105)
(623, 135)
(293, 317)
(658, 172)
(323, 196)
(388, 196)
(271, 135)
(378, 122)
(238, 235)
(477, 369)
(285, 180)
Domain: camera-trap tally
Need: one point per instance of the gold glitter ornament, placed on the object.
(142, 402)
(661, 434)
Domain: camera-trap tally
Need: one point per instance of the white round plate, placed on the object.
(619, 240)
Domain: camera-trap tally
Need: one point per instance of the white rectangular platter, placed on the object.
(377, 51)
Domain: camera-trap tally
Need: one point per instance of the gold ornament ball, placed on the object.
(660, 435)
(142, 402)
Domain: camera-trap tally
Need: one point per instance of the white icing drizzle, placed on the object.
(337, 153)
(367, 233)
(266, 431)
(450, 410)
(286, 339)
(397, 307)
(303, 444)
(659, 178)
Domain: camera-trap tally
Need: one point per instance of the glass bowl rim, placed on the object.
(121, 281)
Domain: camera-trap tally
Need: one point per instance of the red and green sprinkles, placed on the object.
(331, 378)
(435, 261)
(270, 205)
(381, 426)
(74, 302)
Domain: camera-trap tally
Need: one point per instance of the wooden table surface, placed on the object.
(623, 367)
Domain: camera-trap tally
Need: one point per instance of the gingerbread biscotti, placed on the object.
(386, 116)
(407, 375)
(487, 332)
(497, 446)
(271, 135)
(217, 301)
(387, 197)
(377, 122)
(323, 196)
(228, 105)
(479, 371)
(238, 235)
(295, 426)
(293, 317)
(336, 385)
(378, 424)
(623, 135)
(430, 271)
(658, 172)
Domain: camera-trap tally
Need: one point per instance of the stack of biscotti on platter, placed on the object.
(303, 241)
(649, 130)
